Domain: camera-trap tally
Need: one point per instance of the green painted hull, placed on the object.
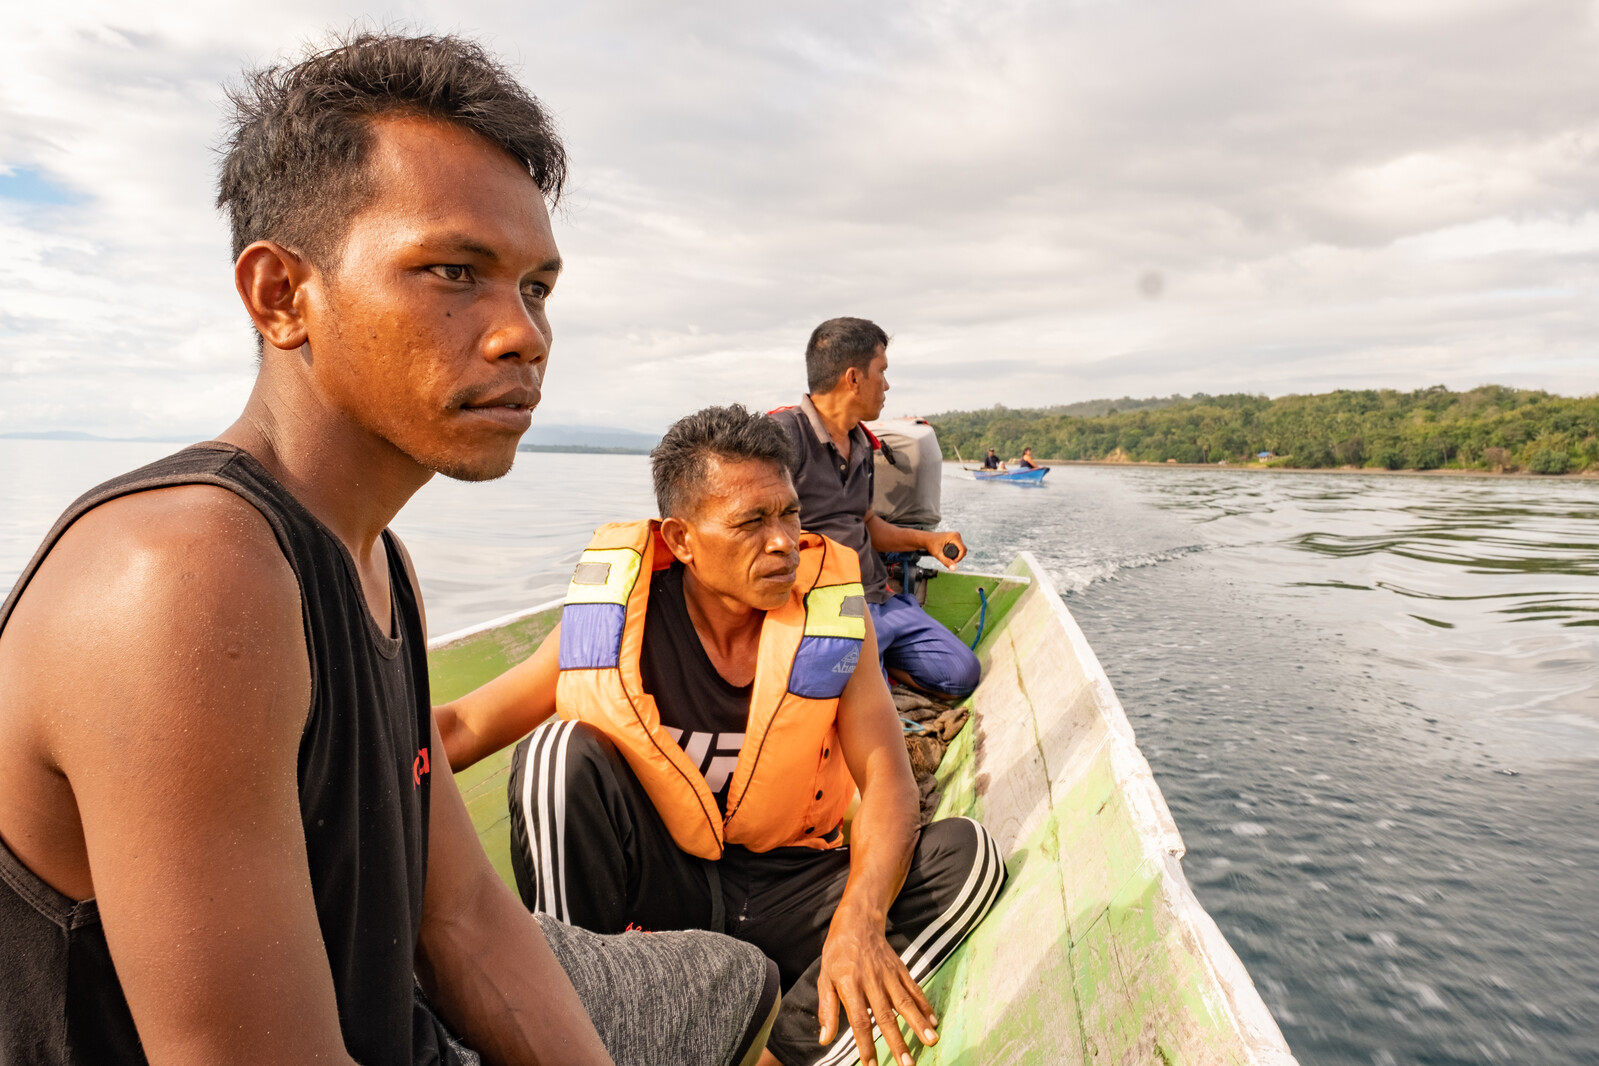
(1097, 951)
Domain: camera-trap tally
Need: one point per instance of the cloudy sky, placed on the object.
(1042, 202)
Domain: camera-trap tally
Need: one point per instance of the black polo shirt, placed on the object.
(835, 493)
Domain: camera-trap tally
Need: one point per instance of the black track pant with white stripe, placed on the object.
(589, 848)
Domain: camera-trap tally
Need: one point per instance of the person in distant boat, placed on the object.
(714, 727)
(846, 361)
(1026, 461)
(992, 461)
(226, 836)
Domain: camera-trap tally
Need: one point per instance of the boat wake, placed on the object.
(1077, 575)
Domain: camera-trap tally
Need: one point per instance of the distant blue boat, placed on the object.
(1026, 477)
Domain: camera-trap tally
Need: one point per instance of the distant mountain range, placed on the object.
(541, 437)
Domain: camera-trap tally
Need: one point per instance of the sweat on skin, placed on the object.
(422, 352)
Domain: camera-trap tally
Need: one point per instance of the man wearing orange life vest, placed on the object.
(713, 727)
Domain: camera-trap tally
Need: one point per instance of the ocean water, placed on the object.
(1372, 703)
(481, 550)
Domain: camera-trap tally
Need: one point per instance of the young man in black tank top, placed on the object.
(858, 926)
(220, 837)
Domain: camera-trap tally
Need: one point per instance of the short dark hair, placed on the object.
(838, 344)
(732, 434)
(296, 164)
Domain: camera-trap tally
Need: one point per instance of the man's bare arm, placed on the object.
(887, 537)
(482, 958)
(503, 711)
(859, 967)
(180, 745)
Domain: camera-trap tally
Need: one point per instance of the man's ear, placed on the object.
(678, 536)
(273, 282)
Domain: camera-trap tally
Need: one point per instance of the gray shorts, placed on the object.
(662, 999)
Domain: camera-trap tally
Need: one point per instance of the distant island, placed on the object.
(580, 449)
(1491, 428)
(590, 440)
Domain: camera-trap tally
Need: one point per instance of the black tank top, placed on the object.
(364, 778)
(703, 712)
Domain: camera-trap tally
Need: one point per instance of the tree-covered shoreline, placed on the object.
(1491, 428)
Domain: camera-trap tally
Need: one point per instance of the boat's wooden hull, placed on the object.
(1097, 952)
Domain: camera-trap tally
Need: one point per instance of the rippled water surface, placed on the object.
(1372, 703)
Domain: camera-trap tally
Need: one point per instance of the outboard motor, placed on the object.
(909, 473)
(908, 486)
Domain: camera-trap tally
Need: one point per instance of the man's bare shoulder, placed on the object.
(201, 539)
(163, 630)
(188, 579)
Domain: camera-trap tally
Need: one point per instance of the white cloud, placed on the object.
(1332, 195)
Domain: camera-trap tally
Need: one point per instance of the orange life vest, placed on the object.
(791, 785)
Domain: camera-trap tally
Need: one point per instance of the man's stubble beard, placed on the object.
(459, 463)
(451, 465)
(458, 469)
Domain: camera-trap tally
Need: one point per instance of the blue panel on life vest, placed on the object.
(591, 635)
(823, 666)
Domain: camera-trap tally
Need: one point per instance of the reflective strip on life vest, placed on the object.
(835, 627)
(836, 611)
(596, 608)
(604, 575)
